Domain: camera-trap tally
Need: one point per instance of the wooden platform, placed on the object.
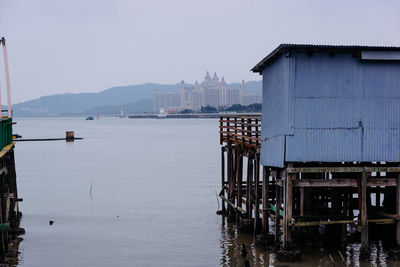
(302, 194)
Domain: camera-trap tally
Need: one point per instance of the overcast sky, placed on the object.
(90, 45)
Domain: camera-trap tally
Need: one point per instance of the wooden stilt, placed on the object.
(223, 177)
(239, 180)
(277, 209)
(265, 197)
(249, 187)
(398, 209)
(301, 201)
(229, 178)
(256, 193)
(288, 206)
(364, 223)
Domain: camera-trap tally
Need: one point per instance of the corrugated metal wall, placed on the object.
(332, 109)
(275, 104)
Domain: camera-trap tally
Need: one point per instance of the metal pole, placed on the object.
(7, 76)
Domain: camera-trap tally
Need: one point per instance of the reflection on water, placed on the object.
(231, 248)
(312, 254)
(137, 193)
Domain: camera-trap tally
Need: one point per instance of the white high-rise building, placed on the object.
(211, 91)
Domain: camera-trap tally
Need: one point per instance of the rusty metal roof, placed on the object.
(311, 48)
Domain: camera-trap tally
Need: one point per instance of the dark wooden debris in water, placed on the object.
(302, 195)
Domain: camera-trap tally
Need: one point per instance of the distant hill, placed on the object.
(141, 106)
(135, 97)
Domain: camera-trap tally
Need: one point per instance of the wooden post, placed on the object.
(69, 136)
(288, 210)
(239, 179)
(364, 223)
(278, 208)
(223, 177)
(256, 193)
(229, 178)
(398, 209)
(265, 197)
(302, 201)
(249, 187)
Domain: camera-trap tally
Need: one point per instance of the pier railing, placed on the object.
(5, 132)
(240, 130)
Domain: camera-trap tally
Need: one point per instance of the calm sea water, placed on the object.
(134, 193)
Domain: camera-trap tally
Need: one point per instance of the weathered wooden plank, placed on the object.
(233, 205)
(6, 149)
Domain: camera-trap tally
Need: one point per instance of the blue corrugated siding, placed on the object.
(275, 105)
(273, 152)
(332, 109)
(276, 100)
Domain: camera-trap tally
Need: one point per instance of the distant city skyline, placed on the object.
(88, 46)
(210, 92)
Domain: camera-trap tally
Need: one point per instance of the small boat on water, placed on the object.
(89, 118)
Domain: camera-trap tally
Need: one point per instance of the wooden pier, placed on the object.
(301, 194)
(9, 199)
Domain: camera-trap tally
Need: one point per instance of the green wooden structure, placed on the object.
(5, 132)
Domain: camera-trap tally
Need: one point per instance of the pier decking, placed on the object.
(302, 194)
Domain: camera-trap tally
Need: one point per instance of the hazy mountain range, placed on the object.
(133, 98)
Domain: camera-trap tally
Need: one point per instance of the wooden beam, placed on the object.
(6, 149)
(233, 205)
(315, 223)
(342, 169)
(342, 182)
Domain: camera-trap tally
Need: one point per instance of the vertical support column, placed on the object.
(223, 177)
(249, 187)
(301, 201)
(398, 209)
(364, 223)
(265, 197)
(229, 177)
(288, 209)
(278, 207)
(239, 179)
(256, 193)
